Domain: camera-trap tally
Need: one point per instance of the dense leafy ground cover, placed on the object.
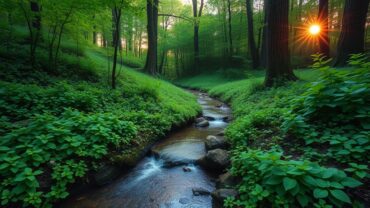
(56, 129)
(304, 144)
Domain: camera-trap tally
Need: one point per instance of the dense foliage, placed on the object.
(56, 130)
(334, 112)
(271, 178)
(303, 144)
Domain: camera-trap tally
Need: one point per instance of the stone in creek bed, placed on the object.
(184, 201)
(213, 142)
(227, 180)
(106, 174)
(200, 119)
(227, 119)
(200, 192)
(221, 133)
(221, 194)
(186, 169)
(216, 159)
(210, 118)
(204, 123)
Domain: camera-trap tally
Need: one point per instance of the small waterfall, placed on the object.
(151, 167)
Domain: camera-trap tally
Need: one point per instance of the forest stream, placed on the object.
(166, 177)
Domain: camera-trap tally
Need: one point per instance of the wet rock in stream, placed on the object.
(216, 159)
(106, 174)
(221, 194)
(227, 180)
(213, 142)
(200, 191)
(203, 124)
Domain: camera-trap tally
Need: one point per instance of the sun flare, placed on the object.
(315, 29)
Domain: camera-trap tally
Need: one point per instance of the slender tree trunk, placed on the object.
(278, 58)
(35, 29)
(251, 42)
(196, 14)
(352, 36)
(152, 27)
(94, 32)
(224, 30)
(263, 61)
(230, 28)
(196, 34)
(116, 42)
(324, 21)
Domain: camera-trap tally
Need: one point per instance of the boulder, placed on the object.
(221, 133)
(213, 142)
(200, 192)
(220, 195)
(227, 119)
(186, 169)
(204, 123)
(227, 180)
(210, 118)
(106, 174)
(173, 163)
(200, 119)
(216, 159)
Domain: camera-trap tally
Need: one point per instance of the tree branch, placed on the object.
(175, 16)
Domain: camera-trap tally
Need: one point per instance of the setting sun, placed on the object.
(315, 29)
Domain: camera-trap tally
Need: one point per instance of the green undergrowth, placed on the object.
(303, 144)
(210, 80)
(59, 126)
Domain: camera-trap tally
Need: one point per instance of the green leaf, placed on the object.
(329, 172)
(350, 182)
(273, 180)
(310, 180)
(303, 200)
(320, 193)
(340, 195)
(323, 184)
(4, 166)
(289, 183)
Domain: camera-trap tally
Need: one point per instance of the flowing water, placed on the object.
(155, 184)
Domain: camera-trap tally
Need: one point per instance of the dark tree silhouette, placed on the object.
(117, 12)
(352, 36)
(252, 44)
(324, 21)
(278, 58)
(152, 29)
(197, 14)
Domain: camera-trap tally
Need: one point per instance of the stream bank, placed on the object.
(170, 176)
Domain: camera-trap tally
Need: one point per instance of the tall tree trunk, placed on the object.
(116, 42)
(298, 22)
(252, 44)
(230, 27)
(196, 14)
(95, 36)
(36, 19)
(278, 58)
(263, 61)
(352, 36)
(324, 21)
(114, 32)
(35, 29)
(152, 27)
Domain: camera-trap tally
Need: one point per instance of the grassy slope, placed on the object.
(79, 115)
